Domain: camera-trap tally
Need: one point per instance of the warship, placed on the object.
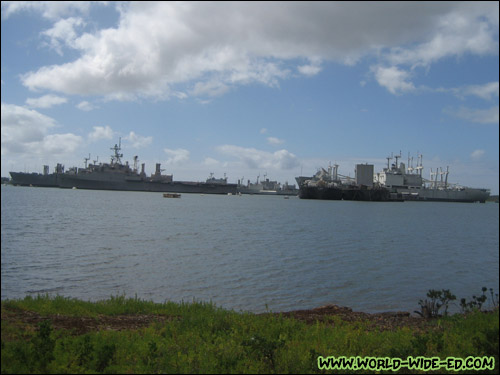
(266, 187)
(118, 176)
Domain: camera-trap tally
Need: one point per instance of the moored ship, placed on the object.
(329, 185)
(409, 182)
(394, 183)
(44, 179)
(118, 176)
(267, 187)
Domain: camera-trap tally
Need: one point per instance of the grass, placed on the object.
(202, 338)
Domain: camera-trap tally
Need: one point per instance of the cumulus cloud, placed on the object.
(85, 106)
(210, 162)
(63, 33)
(393, 79)
(480, 116)
(487, 91)
(46, 101)
(256, 159)
(27, 131)
(165, 49)
(101, 132)
(177, 157)
(274, 141)
(464, 28)
(477, 154)
(138, 141)
(51, 10)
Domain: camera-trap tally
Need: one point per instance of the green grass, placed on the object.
(206, 339)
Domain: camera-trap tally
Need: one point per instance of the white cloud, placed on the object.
(275, 141)
(263, 131)
(211, 89)
(85, 106)
(159, 49)
(487, 91)
(138, 141)
(211, 162)
(61, 144)
(481, 116)
(51, 10)
(256, 159)
(310, 69)
(101, 132)
(63, 33)
(27, 131)
(477, 154)
(45, 101)
(393, 79)
(177, 157)
(466, 28)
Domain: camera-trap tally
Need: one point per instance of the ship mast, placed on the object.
(86, 160)
(115, 159)
(389, 158)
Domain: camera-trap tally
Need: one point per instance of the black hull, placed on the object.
(324, 193)
(368, 195)
(346, 193)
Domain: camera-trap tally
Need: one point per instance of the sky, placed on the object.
(250, 89)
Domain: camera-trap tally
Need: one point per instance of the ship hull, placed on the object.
(466, 195)
(34, 179)
(320, 192)
(132, 183)
(349, 193)
(244, 190)
(369, 195)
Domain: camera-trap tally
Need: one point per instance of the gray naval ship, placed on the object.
(36, 179)
(266, 187)
(118, 176)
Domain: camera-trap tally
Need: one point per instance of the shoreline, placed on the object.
(329, 314)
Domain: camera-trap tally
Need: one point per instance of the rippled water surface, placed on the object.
(247, 253)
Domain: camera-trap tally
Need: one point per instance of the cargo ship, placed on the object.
(118, 176)
(409, 182)
(329, 185)
(394, 183)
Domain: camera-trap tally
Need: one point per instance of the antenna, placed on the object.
(86, 160)
(389, 158)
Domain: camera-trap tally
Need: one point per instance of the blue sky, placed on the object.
(248, 89)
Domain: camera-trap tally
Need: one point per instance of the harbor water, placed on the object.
(251, 253)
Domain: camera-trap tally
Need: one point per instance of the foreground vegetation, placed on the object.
(62, 335)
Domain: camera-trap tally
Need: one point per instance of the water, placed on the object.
(251, 253)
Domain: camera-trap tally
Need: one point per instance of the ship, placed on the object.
(411, 185)
(396, 182)
(44, 179)
(119, 176)
(266, 187)
(330, 185)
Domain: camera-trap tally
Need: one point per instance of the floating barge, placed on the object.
(171, 195)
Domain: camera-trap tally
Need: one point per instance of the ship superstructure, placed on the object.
(266, 187)
(330, 185)
(410, 183)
